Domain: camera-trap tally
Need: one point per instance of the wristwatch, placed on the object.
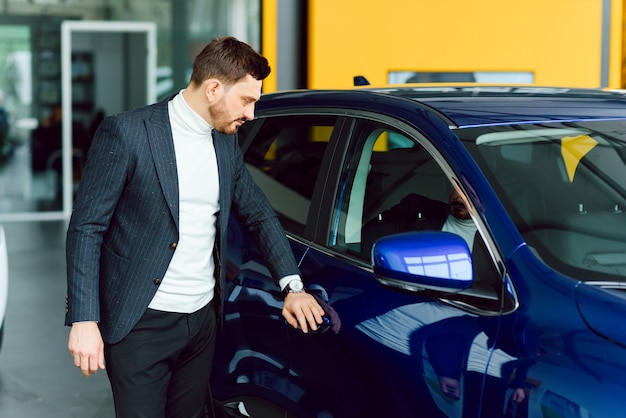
(294, 286)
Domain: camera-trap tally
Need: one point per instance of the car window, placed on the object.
(392, 185)
(388, 171)
(284, 157)
(563, 186)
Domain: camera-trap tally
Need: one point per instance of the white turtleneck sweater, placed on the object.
(189, 283)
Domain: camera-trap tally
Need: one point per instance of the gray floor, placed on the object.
(37, 376)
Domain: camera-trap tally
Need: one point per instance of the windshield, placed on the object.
(564, 187)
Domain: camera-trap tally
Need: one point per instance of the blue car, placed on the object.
(467, 242)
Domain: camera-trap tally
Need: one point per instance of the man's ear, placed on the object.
(212, 89)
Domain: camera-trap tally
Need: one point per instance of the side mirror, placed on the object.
(416, 261)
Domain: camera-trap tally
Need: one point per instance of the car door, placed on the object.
(287, 156)
(423, 353)
(335, 182)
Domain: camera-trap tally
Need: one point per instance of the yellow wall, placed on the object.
(558, 40)
(619, 51)
(269, 42)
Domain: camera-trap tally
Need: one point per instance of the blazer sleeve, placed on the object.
(255, 211)
(97, 196)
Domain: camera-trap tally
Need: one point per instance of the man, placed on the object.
(458, 220)
(147, 237)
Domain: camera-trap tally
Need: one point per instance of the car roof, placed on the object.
(470, 105)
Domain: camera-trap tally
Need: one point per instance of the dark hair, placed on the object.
(229, 60)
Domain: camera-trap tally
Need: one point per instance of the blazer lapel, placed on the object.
(162, 148)
(223, 169)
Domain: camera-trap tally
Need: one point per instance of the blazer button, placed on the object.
(157, 281)
(173, 245)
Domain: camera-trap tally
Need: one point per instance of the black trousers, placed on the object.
(162, 367)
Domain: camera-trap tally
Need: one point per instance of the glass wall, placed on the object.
(15, 103)
(31, 155)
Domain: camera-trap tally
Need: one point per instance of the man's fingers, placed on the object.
(84, 366)
(309, 317)
(302, 309)
(314, 316)
(101, 361)
(297, 319)
(82, 363)
(88, 365)
(305, 322)
(291, 320)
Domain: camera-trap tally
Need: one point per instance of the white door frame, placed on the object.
(68, 28)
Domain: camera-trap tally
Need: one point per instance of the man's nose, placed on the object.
(249, 112)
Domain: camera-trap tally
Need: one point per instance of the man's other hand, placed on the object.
(86, 347)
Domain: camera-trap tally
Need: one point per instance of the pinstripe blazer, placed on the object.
(124, 226)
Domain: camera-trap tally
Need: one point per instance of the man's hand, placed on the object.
(331, 313)
(86, 347)
(302, 309)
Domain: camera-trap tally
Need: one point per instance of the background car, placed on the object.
(4, 281)
(525, 319)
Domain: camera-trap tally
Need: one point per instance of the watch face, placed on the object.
(296, 286)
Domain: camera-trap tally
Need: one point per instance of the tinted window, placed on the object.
(284, 157)
(392, 185)
(385, 171)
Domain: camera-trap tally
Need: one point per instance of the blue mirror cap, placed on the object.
(425, 259)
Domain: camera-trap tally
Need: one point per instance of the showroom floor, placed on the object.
(37, 376)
